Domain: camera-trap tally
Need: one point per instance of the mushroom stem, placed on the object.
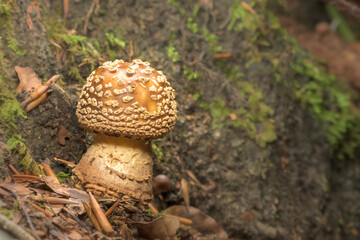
(116, 166)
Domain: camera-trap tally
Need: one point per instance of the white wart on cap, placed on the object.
(127, 99)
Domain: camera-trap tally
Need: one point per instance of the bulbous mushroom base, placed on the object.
(117, 166)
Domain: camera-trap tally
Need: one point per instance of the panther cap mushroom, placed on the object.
(128, 99)
(127, 105)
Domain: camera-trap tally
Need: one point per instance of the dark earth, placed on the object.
(265, 165)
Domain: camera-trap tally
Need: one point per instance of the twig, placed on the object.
(223, 55)
(70, 164)
(153, 209)
(26, 177)
(14, 229)
(14, 169)
(49, 171)
(66, 5)
(39, 92)
(53, 200)
(38, 208)
(91, 216)
(113, 207)
(100, 216)
(88, 15)
(185, 192)
(35, 103)
(46, 200)
(131, 54)
(28, 218)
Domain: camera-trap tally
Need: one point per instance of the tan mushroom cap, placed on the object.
(128, 99)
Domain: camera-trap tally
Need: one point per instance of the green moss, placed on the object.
(158, 152)
(219, 112)
(9, 108)
(171, 50)
(6, 27)
(63, 176)
(83, 53)
(112, 43)
(13, 45)
(330, 101)
(9, 213)
(243, 20)
(177, 7)
(254, 117)
(9, 111)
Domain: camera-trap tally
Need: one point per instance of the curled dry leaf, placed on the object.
(161, 228)
(200, 221)
(28, 79)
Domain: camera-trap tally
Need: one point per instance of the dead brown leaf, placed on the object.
(63, 134)
(75, 235)
(200, 221)
(28, 79)
(20, 190)
(125, 233)
(161, 228)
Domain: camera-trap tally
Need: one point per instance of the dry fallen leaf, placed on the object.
(161, 228)
(200, 221)
(125, 233)
(28, 79)
(63, 134)
(17, 188)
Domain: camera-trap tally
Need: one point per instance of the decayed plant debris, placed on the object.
(48, 209)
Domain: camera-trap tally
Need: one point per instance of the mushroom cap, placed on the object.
(127, 99)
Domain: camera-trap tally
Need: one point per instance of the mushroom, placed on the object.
(127, 105)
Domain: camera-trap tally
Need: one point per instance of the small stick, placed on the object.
(93, 220)
(34, 95)
(28, 218)
(88, 15)
(153, 209)
(50, 172)
(223, 55)
(112, 208)
(14, 169)
(14, 229)
(185, 192)
(39, 92)
(70, 164)
(25, 177)
(131, 54)
(53, 200)
(44, 211)
(247, 7)
(100, 216)
(35, 103)
(66, 7)
(185, 221)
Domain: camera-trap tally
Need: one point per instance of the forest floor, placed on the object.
(201, 156)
